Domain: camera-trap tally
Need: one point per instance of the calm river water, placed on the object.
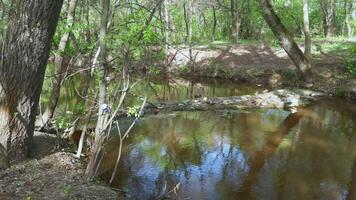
(259, 154)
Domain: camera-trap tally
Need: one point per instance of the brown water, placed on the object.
(166, 90)
(263, 154)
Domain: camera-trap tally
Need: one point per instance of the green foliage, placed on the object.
(351, 66)
(154, 71)
(133, 111)
(80, 107)
(63, 121)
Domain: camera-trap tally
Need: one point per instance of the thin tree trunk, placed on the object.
(102, 89)
(104, 66)
(27, 44)
(188, 25)
(307, 38)
(59, 67)
(186, 22)
(214, 23)
(250, 29)
(233, 18)
(166, 30)
(236, 19)
(348, 9)
(285, 39)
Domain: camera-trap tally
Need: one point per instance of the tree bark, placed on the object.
(236, 19)
(214, 24)
(59, 67)
(352, 187)
(348, 9)
(250, 32)
(27, 44)
(93, 162)
(285, 39)
(188, 25)
(4, 160)
(104, 65)
(328, 10)
(166, 30)
(307, 38)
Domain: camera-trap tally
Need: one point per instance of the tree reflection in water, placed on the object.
(226, 155)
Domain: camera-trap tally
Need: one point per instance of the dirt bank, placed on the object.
(262, 64)
(59, 175)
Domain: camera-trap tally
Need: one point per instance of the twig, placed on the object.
(122, 138)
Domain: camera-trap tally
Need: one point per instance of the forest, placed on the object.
(178, 99)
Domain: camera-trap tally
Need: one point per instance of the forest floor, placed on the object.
(259, 63)
(54, 173)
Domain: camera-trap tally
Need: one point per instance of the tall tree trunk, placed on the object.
(250, 32)
(307, 38)
(236, 8)
(59, 67)
(104, 65)
(233, 18)
(188, 13)
(27, 44)
(166, 30)
(328, 10)
(285, 39)
(93, 162)
(348, 9)
(214, 24)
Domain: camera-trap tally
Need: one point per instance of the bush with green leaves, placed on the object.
(351, 66)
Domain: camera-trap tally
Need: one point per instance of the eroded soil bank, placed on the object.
(54, 173)
(264, 65)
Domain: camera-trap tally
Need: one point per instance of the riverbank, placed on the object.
(54, 173)
(265, 65)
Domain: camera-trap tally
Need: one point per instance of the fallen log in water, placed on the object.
(283, 98)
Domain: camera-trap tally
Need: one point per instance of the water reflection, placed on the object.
(165, 90)
(180, 89)
(265, 154)
(258, 161)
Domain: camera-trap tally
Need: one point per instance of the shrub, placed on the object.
(351, 66)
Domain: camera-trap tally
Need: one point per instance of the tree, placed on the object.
(236, 14)
(59, 66)
(27, 44)
(102, 88)
(328, 10)
(166, 27)
(188, 13)
(285, 39)
(307, 38)
(348, 8)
